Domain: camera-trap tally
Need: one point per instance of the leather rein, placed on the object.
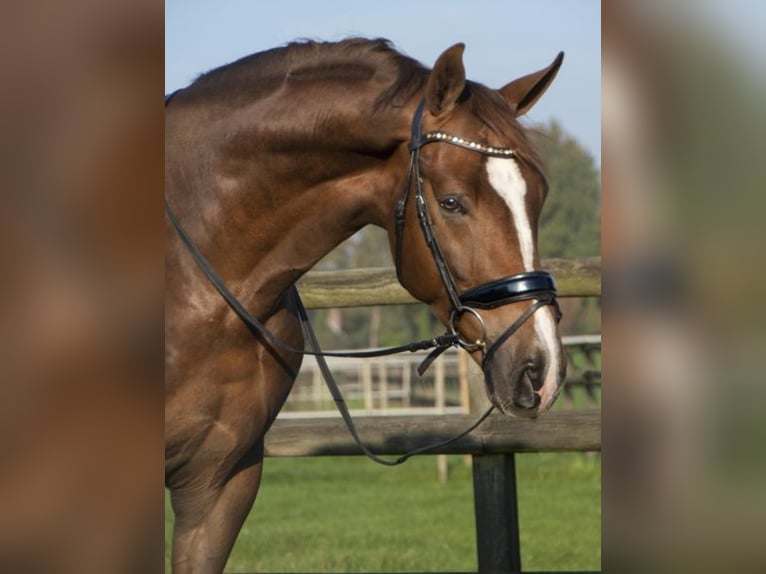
(534, 285)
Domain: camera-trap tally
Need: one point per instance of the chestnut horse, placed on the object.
(275, 159)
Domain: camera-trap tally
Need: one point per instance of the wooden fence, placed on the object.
(379, 286)
(390, 385)
(492, 445)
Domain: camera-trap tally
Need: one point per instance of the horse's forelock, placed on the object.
(491, 108)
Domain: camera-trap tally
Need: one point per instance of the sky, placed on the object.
(505, 39)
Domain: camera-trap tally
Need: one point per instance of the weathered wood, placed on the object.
(393, 435)
(498, 544)
(379, 286)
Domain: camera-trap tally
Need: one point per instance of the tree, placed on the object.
(569, 227)
(570, 224)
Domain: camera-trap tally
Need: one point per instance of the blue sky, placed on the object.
(504, 40)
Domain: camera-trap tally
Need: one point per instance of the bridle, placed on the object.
(533, 285)
(538, 286)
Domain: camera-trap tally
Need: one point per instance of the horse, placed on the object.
(276, 158)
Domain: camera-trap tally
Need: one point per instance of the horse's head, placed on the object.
(466, 240)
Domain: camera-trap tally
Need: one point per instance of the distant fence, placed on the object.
(391, 385)
(492, 445)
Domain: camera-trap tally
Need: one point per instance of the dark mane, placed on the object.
(352, 60)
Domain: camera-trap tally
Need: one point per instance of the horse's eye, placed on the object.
(451, 204)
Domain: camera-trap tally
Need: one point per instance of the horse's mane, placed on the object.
(352, 60)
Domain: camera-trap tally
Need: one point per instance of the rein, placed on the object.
(532, 285)
(445, 341)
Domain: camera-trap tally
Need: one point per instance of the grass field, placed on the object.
(348, 514)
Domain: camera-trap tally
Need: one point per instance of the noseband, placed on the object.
(537, 286)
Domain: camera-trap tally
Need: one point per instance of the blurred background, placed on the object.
(683, 86)
(682, 236)
(81, 415)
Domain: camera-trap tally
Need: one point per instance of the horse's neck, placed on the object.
(279, 208)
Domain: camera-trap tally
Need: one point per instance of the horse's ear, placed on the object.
(446, 82)
(523, 92)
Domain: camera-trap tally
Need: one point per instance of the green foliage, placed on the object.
(569, 227)
(570, 224)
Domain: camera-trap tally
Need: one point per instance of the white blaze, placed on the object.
(545, 327)
(506, 179)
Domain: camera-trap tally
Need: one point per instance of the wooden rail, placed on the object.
(574, 430)
(379, 286)
(493, 445)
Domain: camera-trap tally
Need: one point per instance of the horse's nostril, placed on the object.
(524, 396)
(534, 374)
(524, 390)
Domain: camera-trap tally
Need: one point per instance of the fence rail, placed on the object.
(389, 385)
(492, 446)
(378, 285)
(575, 430)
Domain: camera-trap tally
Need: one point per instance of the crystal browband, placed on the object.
(459, 141)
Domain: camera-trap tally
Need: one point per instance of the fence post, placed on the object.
(497, 518)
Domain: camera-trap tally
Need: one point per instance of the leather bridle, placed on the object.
(533, 285)
(538, 286)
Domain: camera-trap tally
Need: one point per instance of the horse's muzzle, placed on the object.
(525, 374)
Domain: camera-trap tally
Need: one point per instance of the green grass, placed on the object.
(347, 514)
